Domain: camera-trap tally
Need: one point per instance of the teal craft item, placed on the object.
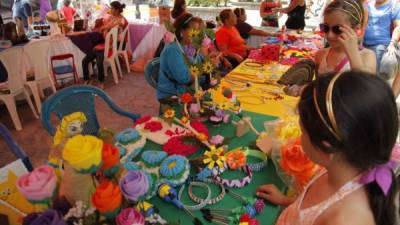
(175, 170)
(152, 159)
(127, 136)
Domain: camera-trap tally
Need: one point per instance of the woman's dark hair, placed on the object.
(182, 23)
(224, 15)
(354, 10)
(67, 2)
(367, 121)
(178, 8)
(118, 6)
(239, 12)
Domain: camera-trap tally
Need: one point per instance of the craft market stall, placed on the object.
(199, 162)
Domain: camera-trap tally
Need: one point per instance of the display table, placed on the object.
(267, 175)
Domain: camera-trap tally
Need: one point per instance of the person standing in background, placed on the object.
(296, 17)
(22, 10)
(179, 8)
(68, 12)
(269, 18)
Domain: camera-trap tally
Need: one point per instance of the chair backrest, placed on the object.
(111, 42)
(14, 147)
(12, 60)
(151, 72)
(38, 52)
(78, 98)
(124, 43)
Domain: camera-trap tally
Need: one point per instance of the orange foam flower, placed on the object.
(110, 156)
(296, 163)
(107, 197)
(236, 159)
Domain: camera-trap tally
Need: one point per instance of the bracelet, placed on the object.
(209, 201)
(237, 183)
(257, 167)
(202, 202)
(253, 64)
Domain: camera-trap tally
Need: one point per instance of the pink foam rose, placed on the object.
(39, 184)
(129, 216)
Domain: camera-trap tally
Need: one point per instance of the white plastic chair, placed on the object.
(123, 50)
(111, 60)
(12, 61)
(38, 53)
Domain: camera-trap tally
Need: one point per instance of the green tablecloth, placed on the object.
(267, 175)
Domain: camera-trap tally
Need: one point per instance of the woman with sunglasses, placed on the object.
(343, 20)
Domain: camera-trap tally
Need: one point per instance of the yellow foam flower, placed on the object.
(208, 67)
(194, 33)
(214, 157)
(71, 125)
(223, 106)
(169, 113)
(194, 70)
(289, 131)
(83, 152)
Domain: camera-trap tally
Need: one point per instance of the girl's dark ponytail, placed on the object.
(383, 207)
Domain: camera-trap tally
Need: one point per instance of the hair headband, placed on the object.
(357, 8)
(187, 20)
(348, 13)
(329, 108)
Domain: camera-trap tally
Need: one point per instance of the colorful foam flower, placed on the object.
(107, 199)
(176, 146)
(141, 120)
(295, 162)
(38, 185)
(153, 126)
(235, 159)
(110, 158)
(214, 157)
(186, 98)
(194, 70)
(175, 170)
(184, 119)
(208, 67)
(134, 185)
(217, 140)
(83, 153)
(194, 33)
(130, 216)
(48, 217)
(223, 106)
(169, 113)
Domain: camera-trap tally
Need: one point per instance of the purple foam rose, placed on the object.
(49, 217)
(134, 184)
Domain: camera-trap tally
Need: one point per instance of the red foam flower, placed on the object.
(177, 146)
(141, 120)
(244, 217)
(199, 127)
(153, 126)
(186, 98)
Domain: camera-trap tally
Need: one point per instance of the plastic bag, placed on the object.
(390, 64)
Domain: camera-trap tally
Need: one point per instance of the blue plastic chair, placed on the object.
(14, 147)
(79, 98)
(151, 71)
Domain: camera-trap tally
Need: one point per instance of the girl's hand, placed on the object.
(271, 193)
(349, 39)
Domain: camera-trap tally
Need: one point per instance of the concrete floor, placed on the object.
(132, 94)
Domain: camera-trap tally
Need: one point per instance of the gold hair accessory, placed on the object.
(357, 8)
(334, 129)
(349, 13)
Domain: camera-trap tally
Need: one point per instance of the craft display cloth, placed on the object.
(268, 73)
(266, 175)
(145, 39)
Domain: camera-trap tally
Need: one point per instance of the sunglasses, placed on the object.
(325, 29)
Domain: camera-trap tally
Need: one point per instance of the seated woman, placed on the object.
(228, 39)
(245, 29)
(116, 19)
(174, 76)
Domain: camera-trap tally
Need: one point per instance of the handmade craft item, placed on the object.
(202, 202)
(49, 216)
(130, 216)
(214, 157)
(207, 201)
(107, 199)
(175, 170)
(160, 136)
(71, 125)
(83, 153)
(130, 142)
(38, 186)
(300, 73)
(271, 51)
(237, 183)
(169, 194)
(152, 160)
(110, 158)
(135, 185)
